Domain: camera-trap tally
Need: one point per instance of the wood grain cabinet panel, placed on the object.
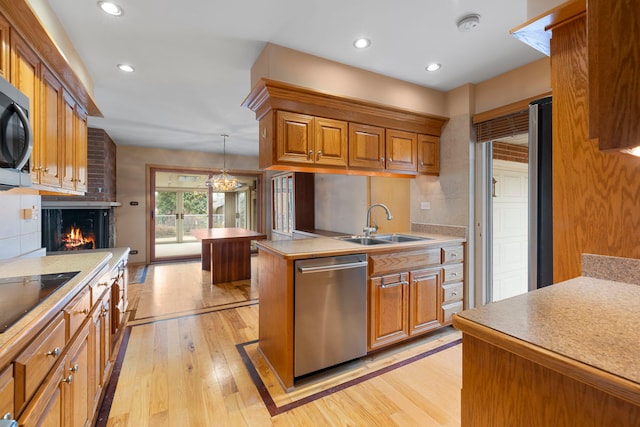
(51, 132)
(401, 150)
(366, 146)
(4, 49)
(33, 364)
(6, 393)
(423, 300)
(46, 408)
(330, 142)
(25, 75)
(80, 149)
(388, 311)
(68, 141)
(294, 137)
(428, 154)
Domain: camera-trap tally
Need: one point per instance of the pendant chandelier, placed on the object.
(223, 182)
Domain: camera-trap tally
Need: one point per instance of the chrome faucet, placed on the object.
(367, 228)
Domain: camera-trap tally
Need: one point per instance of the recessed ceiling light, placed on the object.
(126, 68)
(433, 67)
(110, 8)
(362, 43)
(468, 23)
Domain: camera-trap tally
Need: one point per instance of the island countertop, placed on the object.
(88, 264)
(329, 246)
(585, 328)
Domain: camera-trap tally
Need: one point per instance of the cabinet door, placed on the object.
(46, 408)
(4, 49)
(68, 141)
(294, 137)
(50, 129)
(388, 314)
(25, 75)
(330, 142)
(80, 149)
(401, 149)
(6, 393)
(428, 154)
(78, 401)
(423, 300)
(366, 146)
(107, 341)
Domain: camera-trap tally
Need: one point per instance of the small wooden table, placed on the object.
(226, 252)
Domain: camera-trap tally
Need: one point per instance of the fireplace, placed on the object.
(77, 229)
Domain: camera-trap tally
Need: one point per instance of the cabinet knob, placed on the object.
(381, 159)
(390, 160)
(421, 163)
(68, 380)
(319, 153)
(310, 153)
(54, 353)
(74, 368)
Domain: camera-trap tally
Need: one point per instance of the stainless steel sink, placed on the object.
(363, 240)
(399, 238)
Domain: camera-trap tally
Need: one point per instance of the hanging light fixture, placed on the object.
(223, 182)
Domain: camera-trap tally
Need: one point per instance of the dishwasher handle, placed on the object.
(332, 267)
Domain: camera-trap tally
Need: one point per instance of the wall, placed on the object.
(538, 7)
(19, 236)
(132, 162)
(340, 202)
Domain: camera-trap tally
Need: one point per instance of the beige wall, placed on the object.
(133, 186)
(19, 236)
(522, 83)
(287, 65)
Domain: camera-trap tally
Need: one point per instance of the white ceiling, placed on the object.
(193, 57)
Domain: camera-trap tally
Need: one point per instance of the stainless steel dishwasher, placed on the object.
(330, 311)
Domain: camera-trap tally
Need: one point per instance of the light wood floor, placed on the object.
(183, 366)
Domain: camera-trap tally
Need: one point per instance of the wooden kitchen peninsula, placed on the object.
(564, 355)
(226, 252)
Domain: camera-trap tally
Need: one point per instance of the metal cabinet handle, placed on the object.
(381, 159)
(310, 153)
(74, 368)
(54, 353)
(68, 380)
(390, 160)
(319, 153)
(391, 285)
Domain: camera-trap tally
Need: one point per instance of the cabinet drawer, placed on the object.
(453, 273)
(385, 263)
(76, 312)
(449, 310)
(98, 288)
(33, 364)
(6, 393)
(452, 254)
(452, 292)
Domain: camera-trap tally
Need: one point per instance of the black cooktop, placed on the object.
(18, 295)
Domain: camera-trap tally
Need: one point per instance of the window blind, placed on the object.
(500, 127)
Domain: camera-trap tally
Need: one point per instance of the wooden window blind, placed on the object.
(500, 127)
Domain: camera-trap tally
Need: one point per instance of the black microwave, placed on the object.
(16, 137)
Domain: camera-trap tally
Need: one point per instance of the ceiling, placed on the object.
(192, 58)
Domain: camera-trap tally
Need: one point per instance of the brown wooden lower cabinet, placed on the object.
(388, 309)
(423, 300)
(6, 393)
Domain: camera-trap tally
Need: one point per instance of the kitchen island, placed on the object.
(412, 288)
(563, 355)
(56, 359)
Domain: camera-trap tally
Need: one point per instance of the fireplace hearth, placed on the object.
(76, 229)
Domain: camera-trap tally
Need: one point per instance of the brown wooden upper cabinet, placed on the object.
(311, 140)
(428, 154)
(366, 146)
(4, 48)
(401, 149)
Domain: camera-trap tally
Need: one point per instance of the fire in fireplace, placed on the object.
(75, 229)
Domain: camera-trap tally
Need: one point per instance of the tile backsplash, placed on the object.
(20, 223)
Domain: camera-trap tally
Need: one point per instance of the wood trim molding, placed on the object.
(506, 109)
(26, 23)
(270, 95)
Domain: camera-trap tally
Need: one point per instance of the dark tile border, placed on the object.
(107, 401)
(276, 410)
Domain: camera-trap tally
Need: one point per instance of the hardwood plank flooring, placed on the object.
(182, 366)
